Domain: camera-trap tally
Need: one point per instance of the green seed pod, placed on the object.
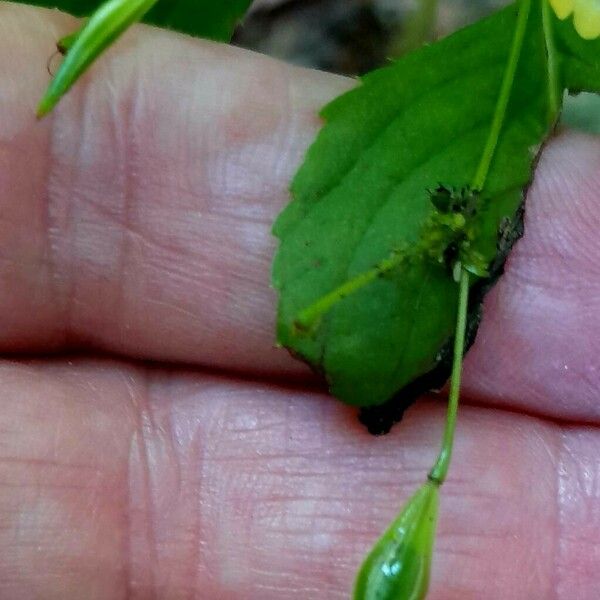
(83, 47)
(398, 566)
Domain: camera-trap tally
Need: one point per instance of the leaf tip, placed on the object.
(46, 105)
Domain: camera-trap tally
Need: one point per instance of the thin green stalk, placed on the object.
(440, 470)
(399, 564)
(554, 90)
(504, 98)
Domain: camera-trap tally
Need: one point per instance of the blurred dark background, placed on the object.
(352, 37)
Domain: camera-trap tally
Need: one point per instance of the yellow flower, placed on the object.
(586, 15)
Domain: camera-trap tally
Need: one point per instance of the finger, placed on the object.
(117, 482)
(539, 345)
(137, 219)
(138, 222)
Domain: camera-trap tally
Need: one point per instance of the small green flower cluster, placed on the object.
(449, 235)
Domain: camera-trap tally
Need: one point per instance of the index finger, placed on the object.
(138, 220)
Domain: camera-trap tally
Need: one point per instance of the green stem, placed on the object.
(440, 470)
(504, 98)
(554, 91)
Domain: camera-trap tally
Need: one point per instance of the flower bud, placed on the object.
(398, 567)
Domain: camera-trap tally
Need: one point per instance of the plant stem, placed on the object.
(440, 470)
(554, 92)
(504, 98)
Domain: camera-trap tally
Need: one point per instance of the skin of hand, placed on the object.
(153, 442)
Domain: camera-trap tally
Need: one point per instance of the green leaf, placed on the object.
(434, 117)
(214, 19)
(579, 59)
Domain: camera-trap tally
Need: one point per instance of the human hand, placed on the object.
(136, 227)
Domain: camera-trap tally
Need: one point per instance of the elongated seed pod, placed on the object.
(398, 567)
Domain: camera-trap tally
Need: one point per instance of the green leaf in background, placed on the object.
(213, 19)
(364, 192)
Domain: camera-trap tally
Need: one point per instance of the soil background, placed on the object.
(346, 36)
(352, 37)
